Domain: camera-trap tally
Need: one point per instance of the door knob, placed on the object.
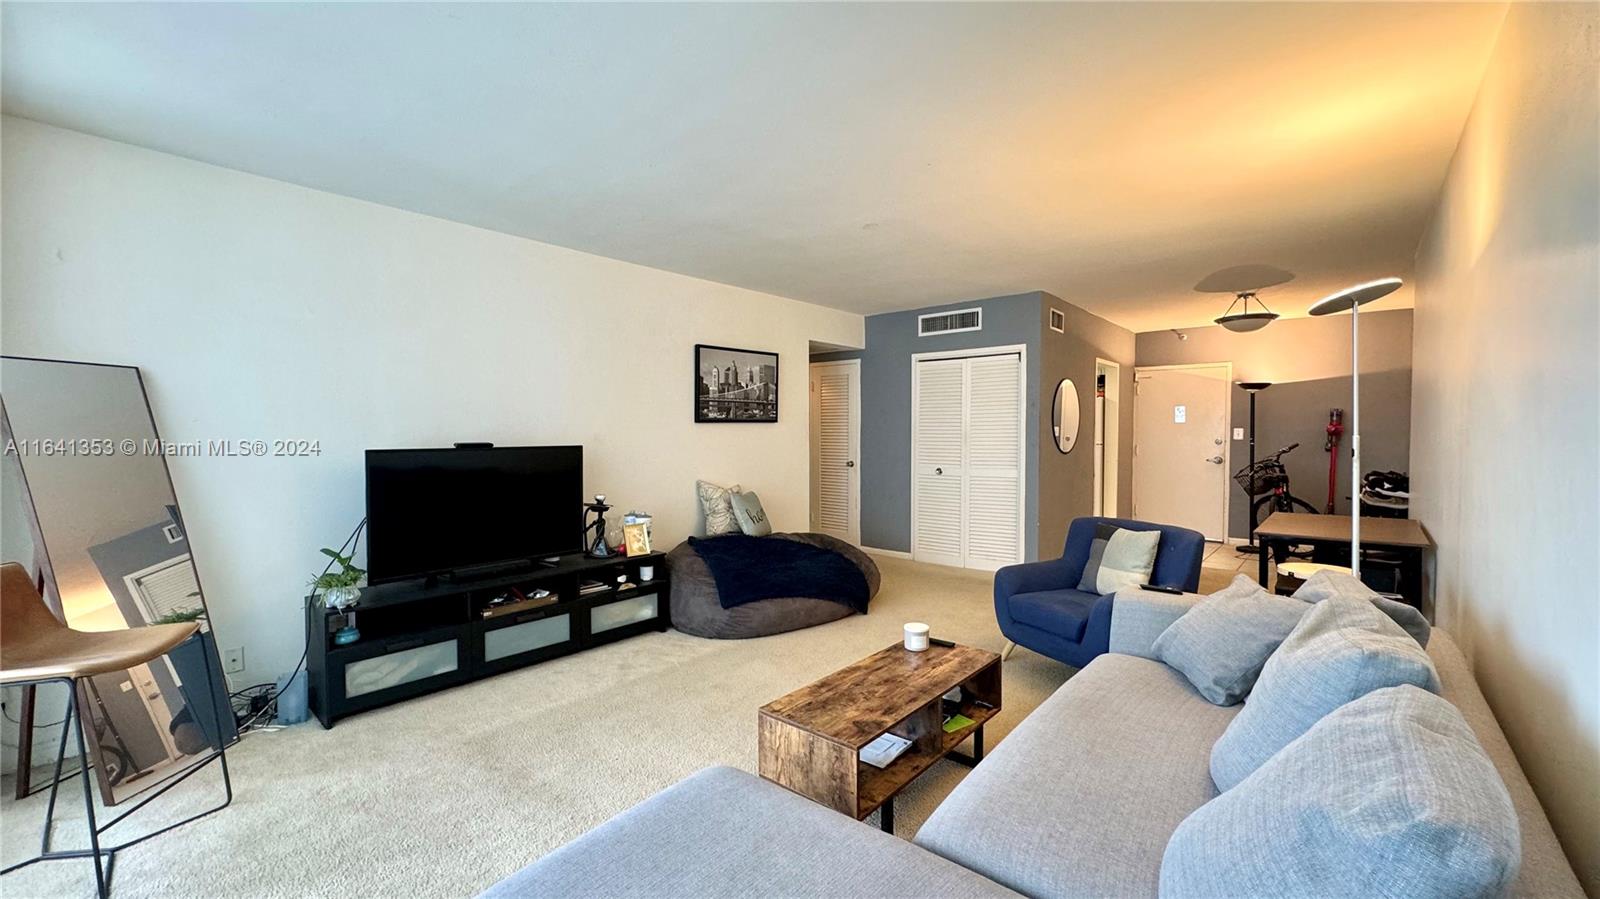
(1215, 460)
(850, 464)
(938, 471)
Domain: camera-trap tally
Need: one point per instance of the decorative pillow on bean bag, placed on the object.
(1119, 558)
(717, 504)
(751, 517)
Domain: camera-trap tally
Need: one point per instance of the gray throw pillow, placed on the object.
(1119, 558)
(717, 505)
(1327, 584)
(751, 517)
(1389, 795)
(1221, 643)
(1340, 651)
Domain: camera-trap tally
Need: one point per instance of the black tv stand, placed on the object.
(419, 637)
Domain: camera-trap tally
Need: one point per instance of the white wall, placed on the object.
(259, 309)
(1504, 405)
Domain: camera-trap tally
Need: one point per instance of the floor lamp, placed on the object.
(1252, 388)
(1353, 298)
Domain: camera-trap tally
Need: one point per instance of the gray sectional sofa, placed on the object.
(1080, 800)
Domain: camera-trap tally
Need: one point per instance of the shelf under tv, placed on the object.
(419, 637)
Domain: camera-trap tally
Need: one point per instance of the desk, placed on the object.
(1404, 535)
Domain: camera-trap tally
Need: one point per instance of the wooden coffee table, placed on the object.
(810, 740)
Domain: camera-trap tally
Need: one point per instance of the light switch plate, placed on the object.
(1238, 433)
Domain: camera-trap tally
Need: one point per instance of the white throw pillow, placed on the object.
(716, 503)
(1119, 558)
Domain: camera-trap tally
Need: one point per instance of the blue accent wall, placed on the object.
(891, 340)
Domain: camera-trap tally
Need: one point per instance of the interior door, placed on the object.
(994, 462)
(1099, 443)
(836, 447)
(1180, 461)
(938, 449)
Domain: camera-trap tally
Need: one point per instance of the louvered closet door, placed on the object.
(938, 447)
(838, 439)
(994, 461)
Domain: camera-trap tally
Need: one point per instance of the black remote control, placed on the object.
(938, 642)
(1160, 589)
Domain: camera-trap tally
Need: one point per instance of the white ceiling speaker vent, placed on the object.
(1058, 321)
(949, 322)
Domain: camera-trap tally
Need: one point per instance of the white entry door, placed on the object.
(967, 460)
(835, 449)
(1180, 453)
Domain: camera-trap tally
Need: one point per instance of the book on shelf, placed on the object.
(882, 752)
(957, 722)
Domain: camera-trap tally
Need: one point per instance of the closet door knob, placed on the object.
(938, 471)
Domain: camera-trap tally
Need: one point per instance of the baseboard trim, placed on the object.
(891, 553)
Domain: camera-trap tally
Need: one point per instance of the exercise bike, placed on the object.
(1268, 482)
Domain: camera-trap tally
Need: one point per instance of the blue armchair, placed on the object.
(1040, 606)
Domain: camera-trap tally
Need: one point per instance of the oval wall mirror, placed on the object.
(1064, 419)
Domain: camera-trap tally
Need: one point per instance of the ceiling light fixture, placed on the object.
(1245, 320)
(1243, 281)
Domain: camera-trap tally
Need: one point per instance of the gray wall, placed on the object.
(1504, 461)
(891, 339)
(1308, 362)
(135, 551)
(1066, 482)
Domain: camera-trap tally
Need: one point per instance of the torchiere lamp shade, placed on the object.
(1359, 295)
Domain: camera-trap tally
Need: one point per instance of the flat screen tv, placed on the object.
(434, 511)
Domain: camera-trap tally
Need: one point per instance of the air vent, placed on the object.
(950, 322)
(1058, 321)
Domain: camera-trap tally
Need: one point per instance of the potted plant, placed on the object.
(341, 588)
(181, 616)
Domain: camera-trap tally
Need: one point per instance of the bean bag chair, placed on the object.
(697, 609)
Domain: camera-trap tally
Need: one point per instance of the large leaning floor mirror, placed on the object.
(92, 516)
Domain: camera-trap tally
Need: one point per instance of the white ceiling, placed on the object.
(869, 157)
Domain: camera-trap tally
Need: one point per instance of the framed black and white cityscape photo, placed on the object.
(735, 385)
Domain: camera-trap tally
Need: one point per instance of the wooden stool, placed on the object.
(37, 648)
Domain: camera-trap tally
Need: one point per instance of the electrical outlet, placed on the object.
(233, 660)
(1238, 433)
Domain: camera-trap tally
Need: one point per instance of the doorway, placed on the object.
(1107, 436)
(968, 457)
(835, 449)
(1181, 415)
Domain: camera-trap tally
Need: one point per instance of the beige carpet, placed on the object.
(444, 795)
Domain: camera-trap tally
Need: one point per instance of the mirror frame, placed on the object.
(1065, 437)
(228, 734)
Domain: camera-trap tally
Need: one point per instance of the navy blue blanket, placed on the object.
(747, 569)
